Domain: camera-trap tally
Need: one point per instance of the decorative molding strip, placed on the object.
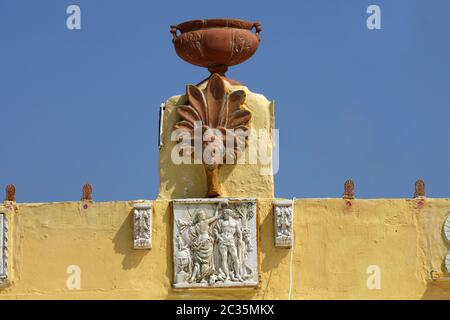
(142, 225)
(283, 211)
(438, 276)
(4, 279)
(211, 200)
(349, 189)
(215, 243)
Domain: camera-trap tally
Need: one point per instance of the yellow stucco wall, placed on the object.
(334, 245)
(246, 179)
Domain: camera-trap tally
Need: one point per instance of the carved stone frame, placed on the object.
(142, 237)
(446, 231)
(4, 274)
(283, 242)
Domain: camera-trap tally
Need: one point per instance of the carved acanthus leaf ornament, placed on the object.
(222, 121)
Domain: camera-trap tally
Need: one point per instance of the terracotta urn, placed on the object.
(216, 44)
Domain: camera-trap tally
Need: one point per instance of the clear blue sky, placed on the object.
(82, 106)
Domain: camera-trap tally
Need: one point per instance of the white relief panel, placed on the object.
(283, 223)
(447, 237)
(447, 262)
(142, 213)
(447, 229)
(215, 243)
(4, 280)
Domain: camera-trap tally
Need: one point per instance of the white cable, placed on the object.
(292, 250)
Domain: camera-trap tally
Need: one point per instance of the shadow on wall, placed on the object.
(177, 181)
(183, 180)
(273, 256)
(123, 244)
(437, 290)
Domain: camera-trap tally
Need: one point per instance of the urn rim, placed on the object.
(202, 24)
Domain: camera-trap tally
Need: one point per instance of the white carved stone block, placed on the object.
(447, 229)
(447, 237)
(215, 243)
(447, 262)
(283, 223)
(4, 280)
(142, 213)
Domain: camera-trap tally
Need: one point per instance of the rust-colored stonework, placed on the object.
(349, 189)
(10, 193)
(221, 118)
(87, 193)
(216, 44)
(419, 189)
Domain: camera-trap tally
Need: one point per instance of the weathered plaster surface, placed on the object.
(240, 180)
(334, 244)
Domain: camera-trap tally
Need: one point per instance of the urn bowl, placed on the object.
(216, 43)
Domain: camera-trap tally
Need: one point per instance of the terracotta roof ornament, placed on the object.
(216, 44)
(10, 191)
(419, 189)
(349, 189)
(87, 192)
(223, 127)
